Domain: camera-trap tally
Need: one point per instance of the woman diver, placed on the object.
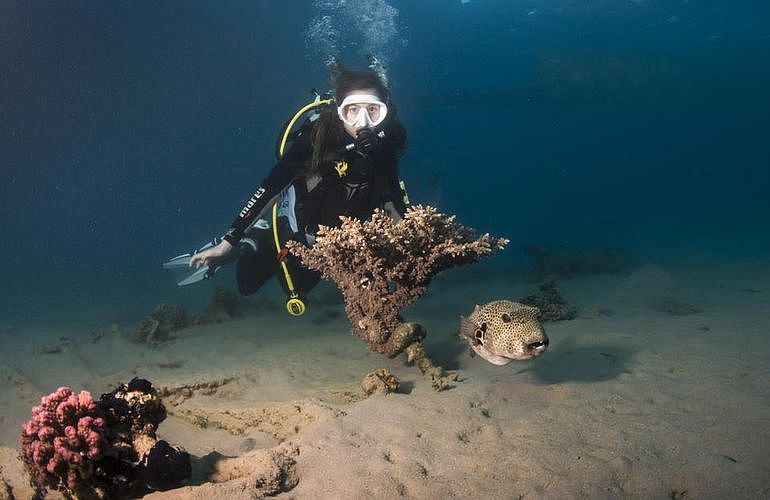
(343, 163)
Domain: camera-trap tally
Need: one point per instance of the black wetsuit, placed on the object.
(350, 185)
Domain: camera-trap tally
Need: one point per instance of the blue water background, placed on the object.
(133, 131)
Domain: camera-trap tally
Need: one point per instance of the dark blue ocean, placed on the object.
(133, 131)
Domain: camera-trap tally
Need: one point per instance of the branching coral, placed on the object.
(104, 448)
(382, 265)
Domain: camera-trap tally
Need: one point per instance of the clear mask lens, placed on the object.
(362, 110)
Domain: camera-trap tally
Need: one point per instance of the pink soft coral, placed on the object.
(62, 441)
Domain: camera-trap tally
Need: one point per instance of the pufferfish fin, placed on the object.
(467, 329)
(466, 334)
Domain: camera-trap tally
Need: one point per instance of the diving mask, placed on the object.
(362, 110)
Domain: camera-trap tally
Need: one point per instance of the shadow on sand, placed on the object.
(569, 362)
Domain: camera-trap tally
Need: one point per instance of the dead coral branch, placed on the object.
(382, 265)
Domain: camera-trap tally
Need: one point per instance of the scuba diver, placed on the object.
(342, 161)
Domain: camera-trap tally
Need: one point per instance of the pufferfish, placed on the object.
(502, 331)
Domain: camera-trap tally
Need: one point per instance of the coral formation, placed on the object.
(224, 305)
(380, 380)
(551, 265)
(133, 413)
(156, 327)
(164, 467)
(382, 265)
(225, 300)
(63, 442)
(101, 449)
(551, 304)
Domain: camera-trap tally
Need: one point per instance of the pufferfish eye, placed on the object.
(506, 318)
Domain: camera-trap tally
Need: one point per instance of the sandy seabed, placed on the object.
(660, 389)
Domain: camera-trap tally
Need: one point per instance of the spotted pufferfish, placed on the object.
(502, 331)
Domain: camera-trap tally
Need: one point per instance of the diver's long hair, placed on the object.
(329, 132)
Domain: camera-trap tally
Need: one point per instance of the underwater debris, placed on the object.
(552, 265)
(380, 380)
(550, 303)
(101, 449)
(382, 265)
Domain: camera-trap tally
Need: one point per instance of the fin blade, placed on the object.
(199, 275)
(178, 261)
(467, 334)
(467, 328)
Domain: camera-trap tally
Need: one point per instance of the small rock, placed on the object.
(380, 380)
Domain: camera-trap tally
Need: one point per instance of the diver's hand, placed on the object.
(366, 142)
(203, 258)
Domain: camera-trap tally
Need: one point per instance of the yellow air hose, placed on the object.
(295, 306)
